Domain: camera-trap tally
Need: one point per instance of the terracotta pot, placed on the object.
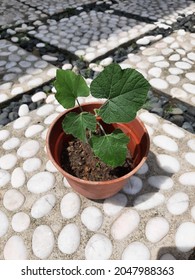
(138, 146)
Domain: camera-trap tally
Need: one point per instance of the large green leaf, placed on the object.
(76, 124)
(69, 86)
(125, 91)
(111, 148)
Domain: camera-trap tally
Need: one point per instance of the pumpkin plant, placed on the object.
(125, 92)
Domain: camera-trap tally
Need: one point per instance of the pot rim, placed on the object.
(88, 182)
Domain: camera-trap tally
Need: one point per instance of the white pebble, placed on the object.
(173, 130)
(191, 76)
(190, 157)
(8, 161)
(189, 88)
(148, 201)
(67, 66)
(173, 79)
(38, 96)
(183, 65)
(143, 41)
(156, 58)
(178, 203)
(66, 184)
(20, 222)
(23, 110)
(69, 239)
(187, 179)
(136, 251)
(156, 229)
(51, 118)
(4, 134)
(44, 134)
(15, 249)
(99, 247)
(185, 237)
(17, 178)
(33, 130)
(43, 206)
(106, 61)
(13, 199)
(28, 149)
(113, 205)
(178, 93)
(31, 164)
(4, 223)
(161, 182)
(158, 83)
(43, 242)
(70, 205)
(41, 182)
(45, 110)
(50, 167)
(15, 91)
(133, 185)
(162, 64)
(49, 58)
(12, 143)
(149, 51)
(35, 82)
(92, 218)
(125, 224)
(21, 122)
(168, 163)
(165, 143)
(155, 72)
(191, 56)
(191, 144)
(175, 71)
(4, 178)
(174, 57)
(149, 118)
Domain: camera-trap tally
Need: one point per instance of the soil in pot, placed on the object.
(77, 159)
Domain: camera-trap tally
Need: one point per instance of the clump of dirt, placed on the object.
(78, 159)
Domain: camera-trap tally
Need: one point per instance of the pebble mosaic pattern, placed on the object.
(156, 10)
(13, 12)
(21, 71)
(169, 65)
(41, 217)
(56, 6)
(91, 34)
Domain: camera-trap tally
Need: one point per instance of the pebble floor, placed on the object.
(41, 217)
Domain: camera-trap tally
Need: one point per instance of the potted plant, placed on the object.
(98, 146)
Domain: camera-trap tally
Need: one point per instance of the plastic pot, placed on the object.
(138, 147)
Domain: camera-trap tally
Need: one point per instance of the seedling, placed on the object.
(125, 92)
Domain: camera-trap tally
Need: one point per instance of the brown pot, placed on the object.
(138, 147)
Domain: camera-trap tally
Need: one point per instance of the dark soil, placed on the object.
(78, 159)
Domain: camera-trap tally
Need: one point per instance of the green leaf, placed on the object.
(69, 86)
(125, 90)
(111, 148)
(76, 124)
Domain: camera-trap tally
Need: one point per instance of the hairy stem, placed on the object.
(79, 105)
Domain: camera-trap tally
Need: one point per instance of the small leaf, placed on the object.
(125, 90)
(111, 148)
(76, 124)
(69, 86)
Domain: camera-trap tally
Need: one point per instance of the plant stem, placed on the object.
(79, 105)
(101, 127)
